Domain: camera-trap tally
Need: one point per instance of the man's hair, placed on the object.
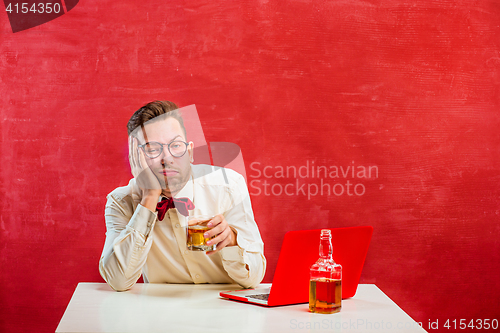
(152, 110)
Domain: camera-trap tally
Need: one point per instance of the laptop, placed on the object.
(299, 251)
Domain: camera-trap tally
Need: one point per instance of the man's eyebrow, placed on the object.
(172, 139)
(176, 137)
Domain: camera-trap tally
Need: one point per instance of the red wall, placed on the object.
(411, 87)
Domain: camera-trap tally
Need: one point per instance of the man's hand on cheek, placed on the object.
(143, 175)
(224, 235)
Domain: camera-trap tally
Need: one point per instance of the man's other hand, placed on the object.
(224, 234)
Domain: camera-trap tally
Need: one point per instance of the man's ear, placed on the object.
(190, 151)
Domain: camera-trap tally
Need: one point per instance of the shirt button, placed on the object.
(177, 225)
(186, 252)
(197, 276)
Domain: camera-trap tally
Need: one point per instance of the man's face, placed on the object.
(172, 172)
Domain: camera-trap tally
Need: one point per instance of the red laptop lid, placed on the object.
(300, 250)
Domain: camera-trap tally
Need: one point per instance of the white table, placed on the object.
(150, 308)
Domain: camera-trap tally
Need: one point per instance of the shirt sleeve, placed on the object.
(244, 263)
(128, 241)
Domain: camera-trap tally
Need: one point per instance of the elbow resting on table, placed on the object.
(252, 278)
(116, 281)
(118, 285)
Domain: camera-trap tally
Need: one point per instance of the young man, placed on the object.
(144, 236)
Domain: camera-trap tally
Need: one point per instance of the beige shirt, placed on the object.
(136, 241)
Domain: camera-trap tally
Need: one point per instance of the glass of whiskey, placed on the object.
(195, 230)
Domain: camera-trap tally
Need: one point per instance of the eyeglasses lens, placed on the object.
(154, 149)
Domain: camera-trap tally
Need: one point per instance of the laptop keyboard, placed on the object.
(263, 297)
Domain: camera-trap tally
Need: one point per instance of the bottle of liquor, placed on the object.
(325, 279)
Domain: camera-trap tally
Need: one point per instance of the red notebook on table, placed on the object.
(299, 251)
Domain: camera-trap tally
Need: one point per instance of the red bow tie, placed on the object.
(182, 205)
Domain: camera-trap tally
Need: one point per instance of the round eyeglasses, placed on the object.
(154, 149)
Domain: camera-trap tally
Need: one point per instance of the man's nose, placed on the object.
(165, 154)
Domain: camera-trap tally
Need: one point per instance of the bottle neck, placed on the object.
(325, 248)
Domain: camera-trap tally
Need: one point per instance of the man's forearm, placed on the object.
(121, 264)
(247, 270)
(127, 244)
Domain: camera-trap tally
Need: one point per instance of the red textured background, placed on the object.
(409, 86)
